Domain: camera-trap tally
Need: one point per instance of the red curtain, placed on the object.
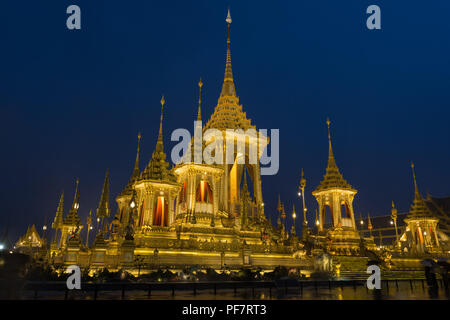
(160, 213)
(204, 192)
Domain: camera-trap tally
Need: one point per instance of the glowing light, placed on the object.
(44, 228)
(132, 204)
(424, 233)
(2, 246)
(317, 222)
(362, 222)
(392, 222)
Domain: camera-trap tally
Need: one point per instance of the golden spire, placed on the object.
(279, 207)
(199, 114)
(160, 139)
(136, 165)
(72, 218)
(294, 215)
(103, 206)
(57, 222)
(283, 213)
(228, 88)
(317, 220)
(331, 160)
(158, 167)
(419, 207)
(76, 197)
(369, 222)
(416, 189)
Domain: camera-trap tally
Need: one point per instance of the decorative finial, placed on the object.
(139, 136)
(163, 101)
(199, 114)
(302, 181)
(393, 211)
(228, 19)
(328, 124)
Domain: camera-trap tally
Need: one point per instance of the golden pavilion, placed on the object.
(196, 213)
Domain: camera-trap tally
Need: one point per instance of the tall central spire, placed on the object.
(228, 88)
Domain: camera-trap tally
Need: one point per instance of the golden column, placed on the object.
(302, 194)
(394, 218)
(89, 225)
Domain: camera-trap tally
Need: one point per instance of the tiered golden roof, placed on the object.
(30, 239)
(72, 218)
(332, 179)
(58, 221)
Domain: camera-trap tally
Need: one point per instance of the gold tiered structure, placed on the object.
(336, 194)
(421, 230)
(192, 214)
(199, 213)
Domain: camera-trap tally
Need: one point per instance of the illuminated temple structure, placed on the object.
(191, 214)
(203, 214)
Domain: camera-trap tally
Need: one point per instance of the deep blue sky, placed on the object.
(72, 102)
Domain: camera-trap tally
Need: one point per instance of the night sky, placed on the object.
(72, 102)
